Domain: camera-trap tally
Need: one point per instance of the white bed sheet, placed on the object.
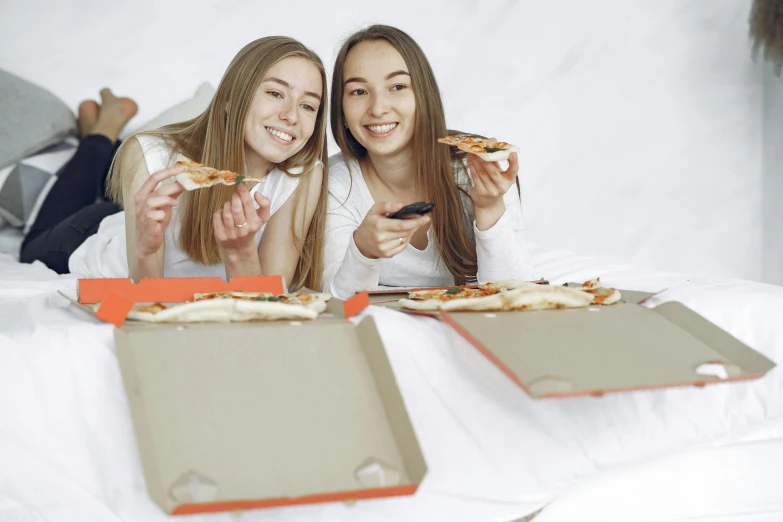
(10, 241)
(493, 453)
(739, 483)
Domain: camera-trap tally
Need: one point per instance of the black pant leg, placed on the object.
(80, 182)
(54, 246)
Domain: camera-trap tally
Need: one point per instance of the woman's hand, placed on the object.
(381, 237)
(490, 184)
(239, 220)
(153, 210)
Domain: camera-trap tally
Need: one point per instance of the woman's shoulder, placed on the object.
(157, 153)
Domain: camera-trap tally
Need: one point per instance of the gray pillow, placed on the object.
(34, 127)
(31, 119)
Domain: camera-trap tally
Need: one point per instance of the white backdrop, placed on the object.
(640, 120)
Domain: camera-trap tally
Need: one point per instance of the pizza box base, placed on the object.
(602, 349)
(237, 416)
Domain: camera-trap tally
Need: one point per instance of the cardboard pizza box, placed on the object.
(603, 349)
(237, 416)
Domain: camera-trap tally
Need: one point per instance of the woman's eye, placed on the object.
(308, 107)
(358, 92)
(275, 94)
(399, 87)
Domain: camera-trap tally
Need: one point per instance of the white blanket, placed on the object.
(68, 452)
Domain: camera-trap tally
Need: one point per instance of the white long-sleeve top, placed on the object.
(500, 250)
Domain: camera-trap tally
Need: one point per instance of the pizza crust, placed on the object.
(145, 312)
(270, 311)
(546, 298)
(209, 311)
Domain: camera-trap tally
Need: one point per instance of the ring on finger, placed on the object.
(402, 241)
(242, 225)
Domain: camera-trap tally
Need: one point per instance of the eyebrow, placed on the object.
(288, 85)
(359, 79)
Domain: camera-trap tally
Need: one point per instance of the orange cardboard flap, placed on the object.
(172, 289)
(114, 309)
(356, 304)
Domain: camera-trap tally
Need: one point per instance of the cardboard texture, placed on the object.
(252, 415)
(603, 349)
(249, 416)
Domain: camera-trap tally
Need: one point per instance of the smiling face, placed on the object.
(378, 100)
(283, 113)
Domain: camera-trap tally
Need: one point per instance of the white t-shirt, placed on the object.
(104, 254)
(500, 250)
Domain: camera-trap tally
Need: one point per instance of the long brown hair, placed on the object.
(766, 31)
(216, 138)
(434, 163)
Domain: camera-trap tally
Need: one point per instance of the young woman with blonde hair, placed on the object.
(386, 117)
(266, 120)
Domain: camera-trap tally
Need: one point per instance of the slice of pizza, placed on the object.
(434, 299)
(145, 312)
(488, 149)
(247, 296)
(500, 296)
(507, 284)
(544, 297)
(604, 296)
(197, 175)
(312, 300)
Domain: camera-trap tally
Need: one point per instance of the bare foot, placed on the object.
(88, 116)
(114, 114)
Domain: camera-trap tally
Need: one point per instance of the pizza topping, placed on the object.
(248, 296)
(511, 295)
(488, 149)
(196, 175)
(149, 308)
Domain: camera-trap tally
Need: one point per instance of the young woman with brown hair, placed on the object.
(386, 117)
(267, 119)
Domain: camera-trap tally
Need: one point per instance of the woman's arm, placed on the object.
(278, 253)
(354, 250)
(500, 241)
(147, 210)
(236, 225)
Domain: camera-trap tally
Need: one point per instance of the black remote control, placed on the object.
(413, 210)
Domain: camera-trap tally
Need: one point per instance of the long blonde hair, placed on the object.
(434, 163)
(216, 138)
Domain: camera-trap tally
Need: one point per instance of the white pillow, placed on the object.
(182, 111)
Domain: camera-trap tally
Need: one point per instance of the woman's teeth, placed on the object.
(279, 134)
(382, 129)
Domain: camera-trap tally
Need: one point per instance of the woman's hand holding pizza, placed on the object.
(153, 210)
(381, 237)
(238, 221)
(490, 184)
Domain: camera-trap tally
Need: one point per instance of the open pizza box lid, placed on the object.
(235, 416)
(604, 349)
